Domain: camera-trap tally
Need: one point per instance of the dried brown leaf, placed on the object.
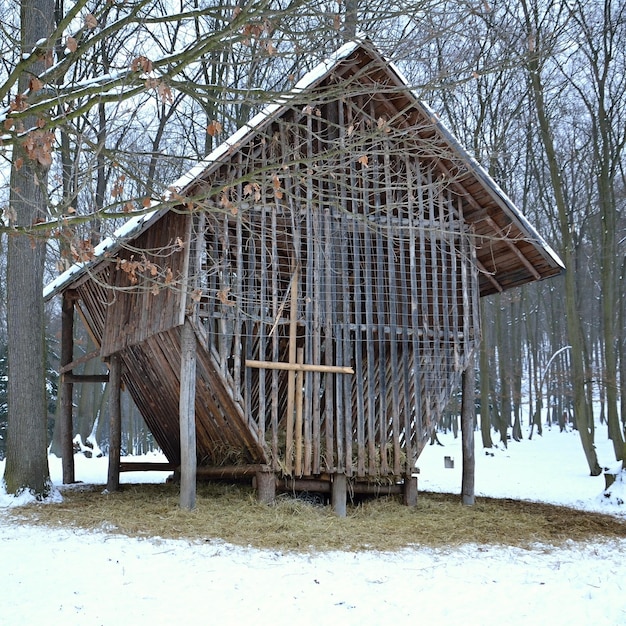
(91, 21)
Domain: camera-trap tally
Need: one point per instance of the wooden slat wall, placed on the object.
(386, 284)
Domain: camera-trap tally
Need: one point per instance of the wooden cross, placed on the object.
(295, 368)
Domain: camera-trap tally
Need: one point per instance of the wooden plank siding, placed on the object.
(148, 293)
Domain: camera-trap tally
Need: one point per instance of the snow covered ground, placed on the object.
(60, 576)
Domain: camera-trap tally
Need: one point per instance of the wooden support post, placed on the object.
(68, 377)
(67, 389)
(409, 495)
(187, 415)
(115, 422)
(266, 487)
(339, 494)
(467, 432)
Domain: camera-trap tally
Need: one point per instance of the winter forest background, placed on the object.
(132, 94)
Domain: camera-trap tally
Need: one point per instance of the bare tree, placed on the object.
(26, 461)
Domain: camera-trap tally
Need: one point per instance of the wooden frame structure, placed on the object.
(329, 258)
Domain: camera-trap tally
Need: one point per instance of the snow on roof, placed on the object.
(134, 226)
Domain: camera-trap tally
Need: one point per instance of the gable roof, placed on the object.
(510, 251)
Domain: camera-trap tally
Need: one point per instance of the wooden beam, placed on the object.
(85, 378)
(231, 471)
(187, 416)
(86, 325)
(325, 486)
(147, 466)
(83, 359)
(67, 389)
(489, 275)
(299, 367)
(115, 423)
(511, 244)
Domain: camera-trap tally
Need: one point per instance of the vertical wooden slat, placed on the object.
(309, 389)
(213, 271)
(391, 205)
(337, 197)
(300, 208)
(438, 375)
(329, 390)
(368, 278)
(249, 256)
(357, 298)
(382, 304)
(419, 301)
(408, 339)
(262, 351)
(404, 420)
(299, 406)
(275, 341)
(334, 252)
(317, 338)
(475, 290)
(238, 296)
(446, 251)
(465, 286)
(358, 343)
(348, 288)
(224, 336)
(454, 282)
(291, 375)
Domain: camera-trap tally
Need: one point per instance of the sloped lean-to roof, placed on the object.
(510, 251)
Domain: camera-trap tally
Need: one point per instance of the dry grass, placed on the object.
(231, 513)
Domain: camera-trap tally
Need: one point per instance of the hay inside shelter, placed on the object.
(232, 514)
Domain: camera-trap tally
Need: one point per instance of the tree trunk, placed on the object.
(582, 411)
(27, 459)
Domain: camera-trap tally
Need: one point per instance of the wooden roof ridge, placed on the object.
(138, 224)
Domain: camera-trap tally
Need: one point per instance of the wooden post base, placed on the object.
(339, 495)
(266, 487)
(410, 491)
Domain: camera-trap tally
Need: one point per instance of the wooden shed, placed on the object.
(329, 258)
